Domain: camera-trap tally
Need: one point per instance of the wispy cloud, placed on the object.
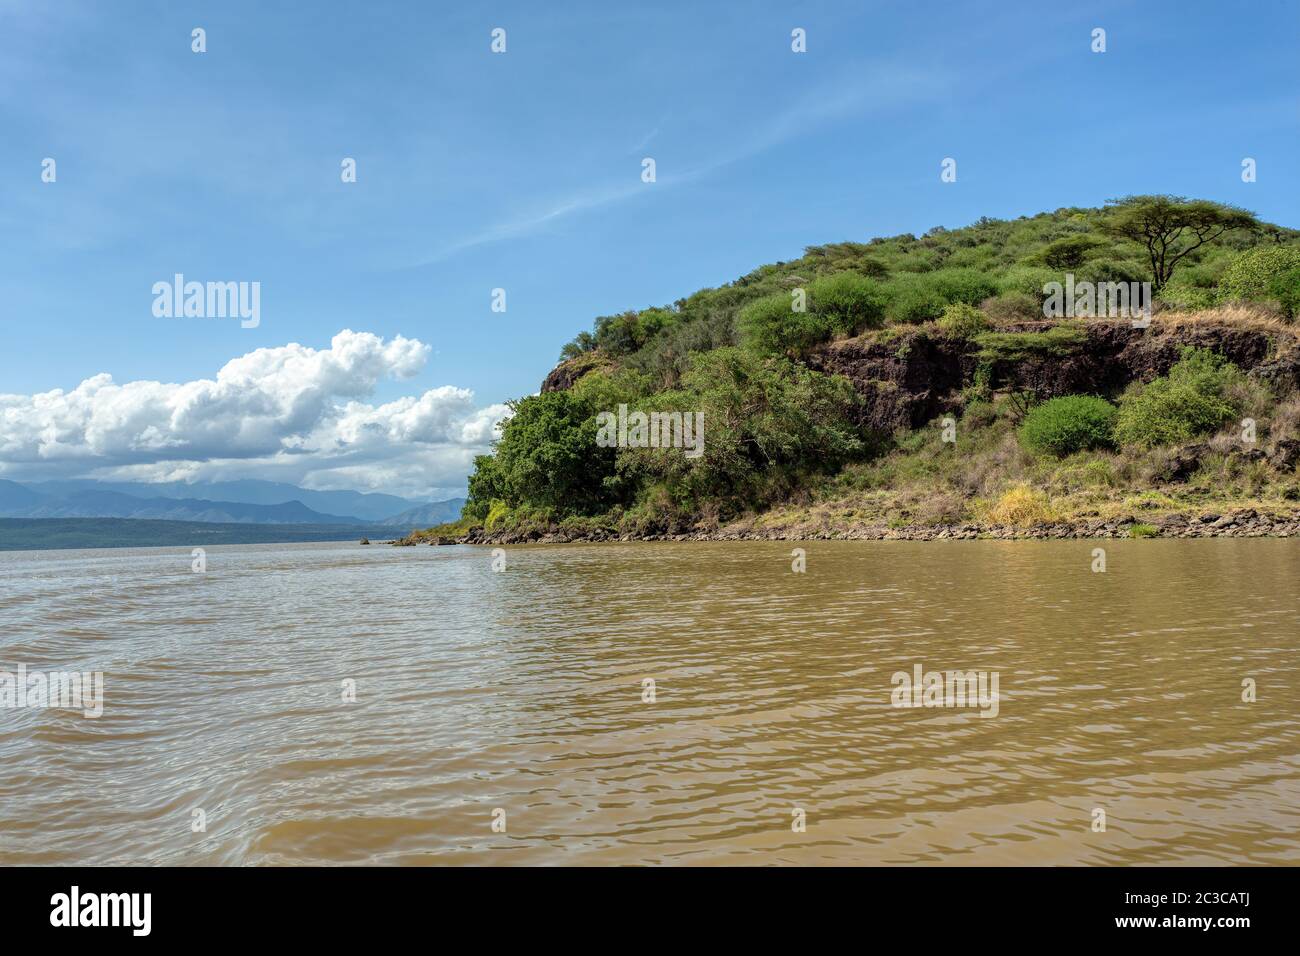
(862, 91)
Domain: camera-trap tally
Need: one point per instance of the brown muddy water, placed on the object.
(522, 691)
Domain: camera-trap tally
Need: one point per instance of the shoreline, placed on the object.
(1245, 523)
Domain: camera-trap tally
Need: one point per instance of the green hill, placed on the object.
(929, 382)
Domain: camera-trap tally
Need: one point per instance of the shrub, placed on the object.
(962, 321)
(1028, 280)
(497, 513)
(1142, 531)
(914, 302)
(1112, 270)
(1012, 307)
(1193, 399)
(768, 421)
(1055, 342)
(848, 302)
(1183, 298)
(922, 297)
(978, 414)
(1022, 507)
(771, 327)
(547, 457)
(604, 389)
(941, 508)
(1250, 275)
(1068, 424)
(962, 285)
(1285, 288)
(1069, 252)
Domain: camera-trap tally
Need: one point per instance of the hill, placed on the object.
(354, 504)
(978, 380)
(112, 504)
(421, 516)
(30, 534)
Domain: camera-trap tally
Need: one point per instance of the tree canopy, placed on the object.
(1171, 227)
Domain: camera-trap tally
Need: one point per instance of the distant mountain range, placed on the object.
(425, 516)
(234, 502)
(42, 534)
(370, 507)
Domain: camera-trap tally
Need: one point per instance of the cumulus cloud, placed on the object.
(290, 413)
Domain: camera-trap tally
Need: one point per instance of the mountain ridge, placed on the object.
(88, 499)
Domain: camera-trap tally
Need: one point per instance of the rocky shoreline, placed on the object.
(1244, 523)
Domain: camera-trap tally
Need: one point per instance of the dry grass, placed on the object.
(1021, 506)
(1243, 315)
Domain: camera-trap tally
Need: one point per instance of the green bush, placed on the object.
(962, 285)
(913, 302)
(962, 321)
(1058, 341)
(848, 302)
(1012, 307)
(1193, 399)
(767, 422)
(1069, 252)
(923, 296)
(1182, 298)
(1068, 424)
(1251, 274)
(1285, 288)
(1028, 280)
(1111, 270)
(771, 327)
(629, 331)
(547, 457)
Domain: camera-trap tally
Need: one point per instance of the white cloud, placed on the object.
(290, 413)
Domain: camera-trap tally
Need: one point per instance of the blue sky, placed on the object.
(522, 171)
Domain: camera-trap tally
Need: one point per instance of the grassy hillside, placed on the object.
(915, 381)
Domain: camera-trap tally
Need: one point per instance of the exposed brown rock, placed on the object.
(910, 379)
(564, 375)
(1286, 454)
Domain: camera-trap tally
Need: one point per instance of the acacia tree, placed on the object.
(1171, 227)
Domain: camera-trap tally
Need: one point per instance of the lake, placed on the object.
(333, 703)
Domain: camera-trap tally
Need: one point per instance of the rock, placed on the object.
(911, 378)
(1282, 374)
(1184, 462)
(1286, 454)
(365, 541)
(569, 371)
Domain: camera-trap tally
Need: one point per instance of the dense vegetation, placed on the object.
(780, 433)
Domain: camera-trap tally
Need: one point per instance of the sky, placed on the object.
(377, 362)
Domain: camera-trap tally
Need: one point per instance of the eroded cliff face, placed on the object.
(908, 379)
(569, 371)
